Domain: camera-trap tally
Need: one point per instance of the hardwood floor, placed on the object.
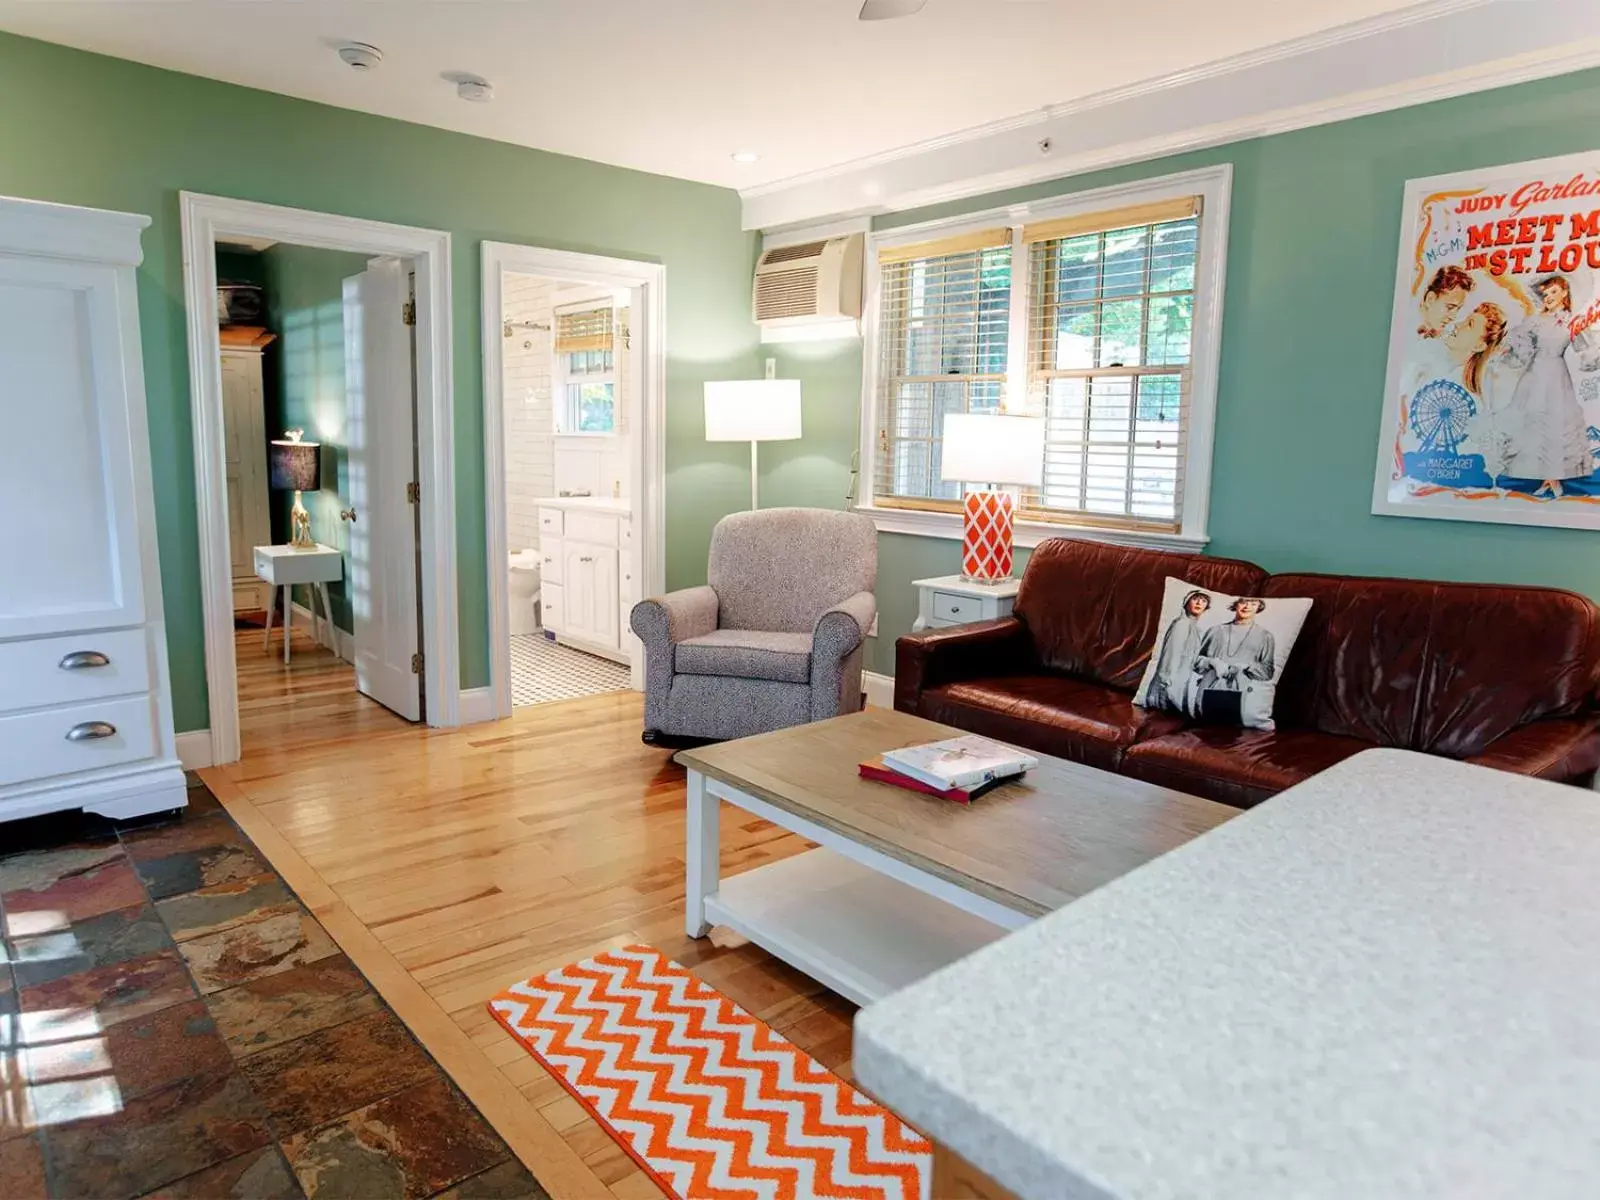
(449, 864)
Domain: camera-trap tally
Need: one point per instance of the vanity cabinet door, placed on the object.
(70, 537)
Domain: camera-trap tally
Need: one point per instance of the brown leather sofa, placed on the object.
(1505, 676)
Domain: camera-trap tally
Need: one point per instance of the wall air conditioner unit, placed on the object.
(809, 288)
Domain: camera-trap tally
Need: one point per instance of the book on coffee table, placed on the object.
(961, 762)
(877, 769)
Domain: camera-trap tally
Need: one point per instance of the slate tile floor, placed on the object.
(173, 1023)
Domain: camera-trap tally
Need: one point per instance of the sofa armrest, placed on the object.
(925, 660)
(661, 622)
(1566, 750)
(836, 655)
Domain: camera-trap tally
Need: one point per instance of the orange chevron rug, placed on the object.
(708, 1100)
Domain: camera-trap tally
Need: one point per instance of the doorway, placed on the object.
(574, 459)
(387, 520)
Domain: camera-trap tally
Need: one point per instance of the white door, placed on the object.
(380, 415)
(69, 541)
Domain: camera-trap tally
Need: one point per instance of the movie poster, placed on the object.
(1492, 406)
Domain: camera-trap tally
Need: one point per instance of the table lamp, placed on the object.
(754, 411)
(296, 466)
(991, 450)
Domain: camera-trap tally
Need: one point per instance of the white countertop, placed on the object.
(602, 504)
(1382, 983)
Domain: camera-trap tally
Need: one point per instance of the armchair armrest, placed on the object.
(675, 617)
(1565, 749)
(660, 622)
(836, 655)
(935, 656)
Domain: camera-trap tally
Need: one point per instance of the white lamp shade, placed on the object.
(753, 410)
(993, 448)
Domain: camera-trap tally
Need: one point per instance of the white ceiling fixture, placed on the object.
(360, 56)
(745, 157)
(888, 10)
(478, 91)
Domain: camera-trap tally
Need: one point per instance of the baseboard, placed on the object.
(879, 689)
(334, 638)
(194, 749)
(477, 705)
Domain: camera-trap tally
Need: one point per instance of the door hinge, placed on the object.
(416, 664)
(408, 312)
(413, 493)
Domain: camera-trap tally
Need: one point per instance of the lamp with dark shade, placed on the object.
(294, 465)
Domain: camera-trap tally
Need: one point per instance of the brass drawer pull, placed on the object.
(79, 659)
(91, 731)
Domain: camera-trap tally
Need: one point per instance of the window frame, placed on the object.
(941, 519)
(562, 377)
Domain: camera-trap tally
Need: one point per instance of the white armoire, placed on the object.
(85, 700)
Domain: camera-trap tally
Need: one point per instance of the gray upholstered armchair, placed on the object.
(774, 638)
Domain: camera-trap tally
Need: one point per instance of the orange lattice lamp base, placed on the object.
(986, 537)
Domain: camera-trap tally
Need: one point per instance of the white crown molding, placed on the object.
(1422, 53)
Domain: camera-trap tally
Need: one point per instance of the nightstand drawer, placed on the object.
(955, 609)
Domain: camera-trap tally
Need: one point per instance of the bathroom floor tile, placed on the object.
(224, 905)
(139, 1055)
(509, 1181)
(94, 942)
(259, 1175)
(252, 949)
(157, 1138)
(265, 1012)
(412, 1144)
(314, 1079)
(102, 996)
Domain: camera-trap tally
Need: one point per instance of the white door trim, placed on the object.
(204, 218)
(648, 445)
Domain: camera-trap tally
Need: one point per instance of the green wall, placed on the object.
(1311, 260)
(115, 134)
(305, 308)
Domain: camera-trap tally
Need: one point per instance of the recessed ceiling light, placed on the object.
(746, 156)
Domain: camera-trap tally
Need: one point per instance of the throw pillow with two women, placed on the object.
(1218, 658)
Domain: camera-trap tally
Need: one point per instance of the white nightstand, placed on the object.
(285, 566)
(957, 600)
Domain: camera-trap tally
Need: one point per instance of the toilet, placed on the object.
(524, 592)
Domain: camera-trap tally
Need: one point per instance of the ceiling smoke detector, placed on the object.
(360, 56)
(478, 91)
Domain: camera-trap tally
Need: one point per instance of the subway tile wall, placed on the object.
(529, 418)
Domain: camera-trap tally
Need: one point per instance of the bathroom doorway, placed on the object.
(572, 375)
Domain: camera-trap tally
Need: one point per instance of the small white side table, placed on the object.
(283, 567)
(957, 600)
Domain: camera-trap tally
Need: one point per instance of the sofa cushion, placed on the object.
(746, 654)
(1241, 767)
(1052, 714)
(1093, 609)
(1443, 668)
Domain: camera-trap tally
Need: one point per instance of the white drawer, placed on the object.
(279, 565)
(550, 521)
(550, 607)
(592, 528)
(550, 556)
(956, 609)
(35, 745)
(40, 672)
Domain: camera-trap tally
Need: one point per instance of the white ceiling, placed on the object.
(676, 86)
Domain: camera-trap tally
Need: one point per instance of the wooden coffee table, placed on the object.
(902, 883)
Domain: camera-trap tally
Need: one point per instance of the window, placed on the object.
(1100, 319)
(586, 370)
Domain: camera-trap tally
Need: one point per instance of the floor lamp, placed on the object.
(754, 411)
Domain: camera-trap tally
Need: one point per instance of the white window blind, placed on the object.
(583, 329)
(943, 340)
(1110, 339)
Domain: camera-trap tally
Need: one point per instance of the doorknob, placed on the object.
(347, 514)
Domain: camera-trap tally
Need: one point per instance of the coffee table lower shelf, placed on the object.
(859, 932)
